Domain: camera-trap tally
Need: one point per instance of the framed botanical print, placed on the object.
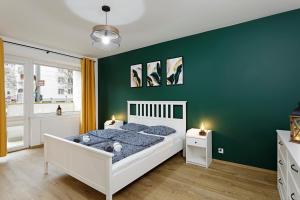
(154, 74)
(175, 71)
(136, 76)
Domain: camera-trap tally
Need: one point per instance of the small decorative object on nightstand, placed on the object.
(113, 123)
(199, 147)
(295, 125)
(202, 131)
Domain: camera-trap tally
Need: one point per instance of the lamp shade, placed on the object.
(105, 37)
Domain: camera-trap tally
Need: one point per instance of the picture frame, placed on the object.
(154, 74)
(174, 71)
(136, 76)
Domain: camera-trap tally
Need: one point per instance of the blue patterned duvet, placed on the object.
(132, 142)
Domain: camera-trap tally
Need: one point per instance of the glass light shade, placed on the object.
(105, 40)
(105, 37)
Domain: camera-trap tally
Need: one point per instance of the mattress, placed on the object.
(131, 142)
(169, 141)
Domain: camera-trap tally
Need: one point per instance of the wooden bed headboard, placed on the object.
(153, 113)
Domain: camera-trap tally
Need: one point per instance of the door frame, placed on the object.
(28, 97)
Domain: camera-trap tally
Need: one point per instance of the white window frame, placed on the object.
(59, 66)
(28, 107)
(22, 120)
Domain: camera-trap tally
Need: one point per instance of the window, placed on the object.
(61, 91)
(36, 89)
(70, 80)
(61, 80)
(14, 87)
(54, 86)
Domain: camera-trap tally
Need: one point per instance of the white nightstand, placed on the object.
(198, 148)
(116, 125)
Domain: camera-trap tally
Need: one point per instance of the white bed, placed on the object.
(94, 167)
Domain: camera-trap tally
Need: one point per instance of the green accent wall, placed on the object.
(242, 81)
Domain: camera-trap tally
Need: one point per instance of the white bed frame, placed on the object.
(94, 167)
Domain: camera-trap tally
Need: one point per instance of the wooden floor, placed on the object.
(22, 178)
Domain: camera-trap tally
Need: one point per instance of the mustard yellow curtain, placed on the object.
(3, 136)
(88, 110)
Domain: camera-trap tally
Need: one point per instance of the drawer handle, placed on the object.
(195, 142)
(293, 168)
(280, 143)
(280, 162)
(280, 181)
(293, 196)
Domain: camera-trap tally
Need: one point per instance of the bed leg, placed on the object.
(108, 197)
(46, 167)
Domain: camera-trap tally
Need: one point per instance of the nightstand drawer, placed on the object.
(293, 193)
(282, 165)
(281, 147)
(281, 185)
(294, 170)
(196, 142)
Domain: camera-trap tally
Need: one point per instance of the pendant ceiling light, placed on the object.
(105, 36)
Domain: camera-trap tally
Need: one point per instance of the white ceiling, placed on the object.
(66, 24)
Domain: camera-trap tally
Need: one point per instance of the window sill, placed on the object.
(52, 115)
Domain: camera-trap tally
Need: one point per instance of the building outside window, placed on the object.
(61, 80)
(61, 91)
(14, 98)
(14, 89)
(54, 86)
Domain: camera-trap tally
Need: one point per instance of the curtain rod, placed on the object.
(47, 51)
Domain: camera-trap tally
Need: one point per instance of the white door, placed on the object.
(16, 111)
